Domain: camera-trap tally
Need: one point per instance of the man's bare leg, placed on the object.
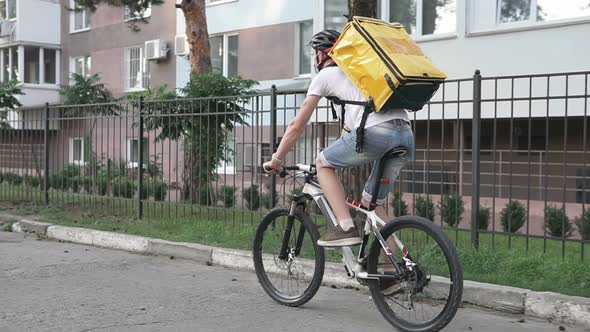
(334, 193)
(387, 266)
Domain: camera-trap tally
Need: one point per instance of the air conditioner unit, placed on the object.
(155, 49)
(181, 47)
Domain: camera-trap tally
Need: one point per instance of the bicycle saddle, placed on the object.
(398, 151)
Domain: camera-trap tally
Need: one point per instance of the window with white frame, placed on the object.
(135, 15)
(77, 156)
(224, 54)
(9, 60)
(133, 151)
(419, 17)
(305, 32)
(79, 18)
(424, 17)
(215, 2)
(531, 11)
(40, 65)
(137, 76)
(8, 9)
(81, 65)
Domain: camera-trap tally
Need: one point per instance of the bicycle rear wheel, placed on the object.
(427, 296)
(293, 277)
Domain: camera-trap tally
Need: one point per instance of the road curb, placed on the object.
(551, 306)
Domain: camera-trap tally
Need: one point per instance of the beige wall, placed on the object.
(108, 37)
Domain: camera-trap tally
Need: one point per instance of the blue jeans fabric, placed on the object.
(378, 140)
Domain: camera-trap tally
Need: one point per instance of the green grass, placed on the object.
(547, 264)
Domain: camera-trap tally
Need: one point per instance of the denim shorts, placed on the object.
(378, 140)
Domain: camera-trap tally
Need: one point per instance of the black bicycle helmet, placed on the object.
(324, 40)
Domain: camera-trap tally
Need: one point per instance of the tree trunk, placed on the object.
(366, 8)
(197, 35)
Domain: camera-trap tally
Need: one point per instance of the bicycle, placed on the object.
(297, 256)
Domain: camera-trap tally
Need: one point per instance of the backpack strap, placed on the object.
(360, 131)
(335, 100)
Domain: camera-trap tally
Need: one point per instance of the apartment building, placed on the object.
(266, 41)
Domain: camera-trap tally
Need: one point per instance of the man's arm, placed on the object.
(295, 129)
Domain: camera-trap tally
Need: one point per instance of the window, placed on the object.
(79, 18)
(8, 9)
(224, 54)
(77, 155)
(49, 61)
(138, 69)
(128, 15)
(133, 151)
(541, 10)
(9, 58)
(305, 58)
(81, 65)
(424, 17)
(334, 11)
(32, 72)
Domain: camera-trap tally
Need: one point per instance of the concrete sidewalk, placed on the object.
(545, 305)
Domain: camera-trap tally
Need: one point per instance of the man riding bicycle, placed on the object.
(383, 132)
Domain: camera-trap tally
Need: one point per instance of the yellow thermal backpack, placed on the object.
(386, 65)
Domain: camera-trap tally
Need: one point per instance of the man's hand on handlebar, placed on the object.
(273, 166)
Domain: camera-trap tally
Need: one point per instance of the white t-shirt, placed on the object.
(331, 81)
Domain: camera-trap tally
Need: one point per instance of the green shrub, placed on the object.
(452, 208)
(13, 178)
(252, 197)
(33, 181)
(513, 216)
(228, 194)
(557, 222)
(159, 190)
(57, 181)
(425, 207)
(266, 199)
(1, 177)
(205, 197)
(400, 208)
(70, 171)
(74, 183)
(484, 218)
(124, 187)
(583, 223)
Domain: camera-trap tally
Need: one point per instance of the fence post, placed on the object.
(46, 155)
(140, 161)
(475, 159)
(273, 141)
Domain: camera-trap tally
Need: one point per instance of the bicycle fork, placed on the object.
(284, 254)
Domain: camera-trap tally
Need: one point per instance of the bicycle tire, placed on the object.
(455, 269)
(263, 278)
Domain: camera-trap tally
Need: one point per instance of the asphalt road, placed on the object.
(52, 286)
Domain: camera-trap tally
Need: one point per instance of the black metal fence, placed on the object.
(523, 137)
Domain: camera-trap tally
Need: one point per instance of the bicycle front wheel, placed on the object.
(428, 293)
(289, 264)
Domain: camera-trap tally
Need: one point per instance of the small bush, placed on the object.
(452, 208)
(513, 216)
(484, 218)
(33, 181)
(583, 223)
(228, 194)
(124, 187)
(400, 208)
(252, 197)
(205, 197)
(12, 178)
(266, 199)
(57, 181)
(70, 171)
(557, 222)
(425, 207)
(158, 189)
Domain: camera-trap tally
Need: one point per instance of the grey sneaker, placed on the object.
(336, 237)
